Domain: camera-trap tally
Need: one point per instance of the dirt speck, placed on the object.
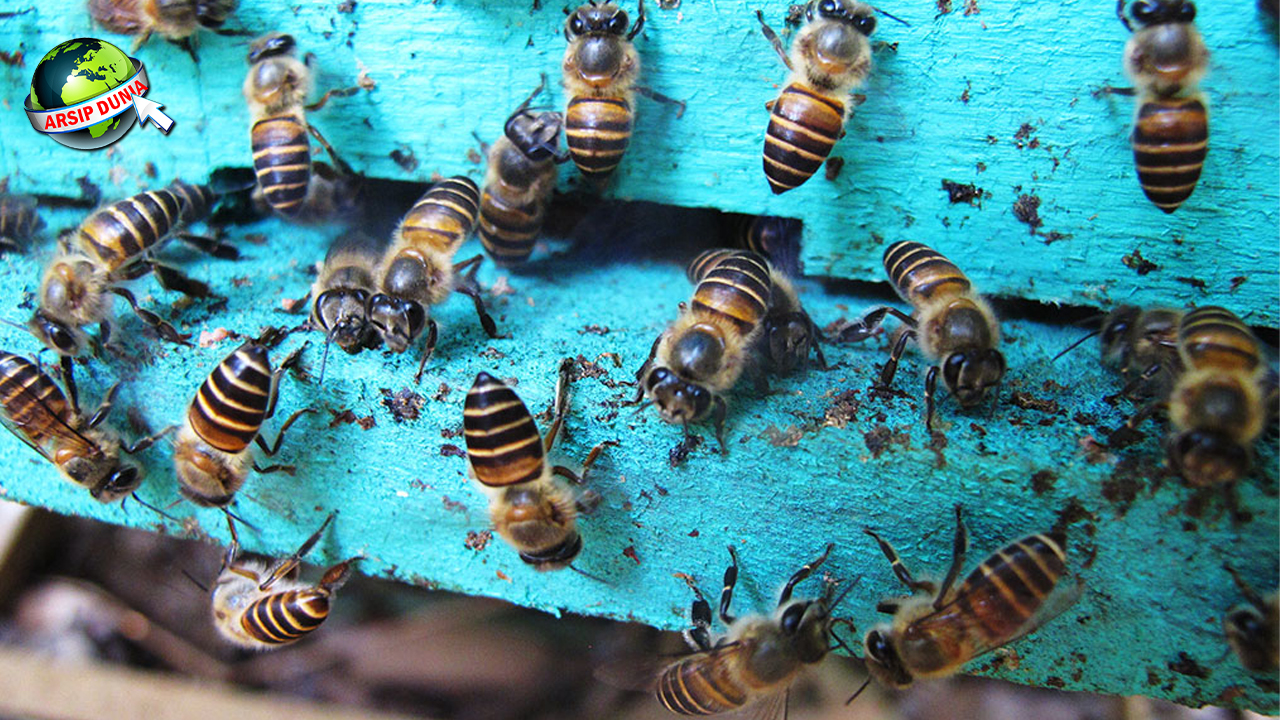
(964, 193)
(478, 540)
(1196, 283)
(1236, 282)
(694, 533)
(347, 6)
(833, 167)
(452, 505)
(1042, 481)
(405, 158)
(1027, 401)
(880, 437)
(680, 452)
(944, 6)
(1186, 665)
(1134, 261)
(367, 422)
(451, 450)
(1027, 209)
(630, 551)
(842, 410)
(404, 404)
(595, 330)
(442, 393)
(790, 437)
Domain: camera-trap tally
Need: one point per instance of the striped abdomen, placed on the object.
(33, 403)
(285, 617)
(508, 230)
(120, 232)
(803, 127)
(597, 131)
(444, 216)
(733, 285)
(702, 684)
(282, 162)
(1170, 140)
(230, 406)
(995, 603)
(1213, 337)
(503, 443)
(920, 273)
(197, 200)
(18, 218)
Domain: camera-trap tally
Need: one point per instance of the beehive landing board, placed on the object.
(994, 93)
(814, 462)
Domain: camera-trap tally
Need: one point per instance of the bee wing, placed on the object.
(20, 432)
(632, 672)
(1063, 597)
(59, 428)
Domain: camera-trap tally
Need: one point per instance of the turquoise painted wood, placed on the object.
(814, 462)
(996, 93)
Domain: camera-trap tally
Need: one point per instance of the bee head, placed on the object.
(859, 18)
(1115, 328)
(789, 340)
(678, 400)
(1159, 12)
(537, 135)
(882, 658)
(597, 19)
(1207, 458)
(807, 624)
(343, 314)
(213, 13)
(272, 45)
(970, 374)
(120, 481)
(55, 334)
(398, 320)
(557, 557)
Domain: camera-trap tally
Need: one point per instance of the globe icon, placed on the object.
(78, 70)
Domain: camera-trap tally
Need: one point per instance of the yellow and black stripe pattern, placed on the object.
(1214, 337)
(508, 229)
(32, 401)
(597, 131)
(1007, 589)
(282, 162)
(733, 285)
(921, 274)
(503, 443)
(197, 200)
(1170, 140)
(18, 219)
(284, 617)
(444, 216)
(123, 230)
(803, 127)
(702, 684)
(229, 407)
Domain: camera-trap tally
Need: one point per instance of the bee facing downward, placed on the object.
(953, 324)
(1253, 630)
(19, 221)
(341, 292)
(1165, 59)
(830, 56)
(262, 607)
(940, 628)
(531, 508)
(1142, 344)
(600, 67)
(176, 20)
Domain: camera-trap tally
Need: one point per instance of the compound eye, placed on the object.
(1144, 10)
(828, 7)
(865, 25)
(792, 616)
(951, 368)
(877, 648)
(576, 25)
(124, 478)
(1114, 332)
(1187, 12)
(63, 341)
(417, 318)
(618, 23)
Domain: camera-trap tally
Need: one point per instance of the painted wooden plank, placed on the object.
(814, 462)
(997, 93)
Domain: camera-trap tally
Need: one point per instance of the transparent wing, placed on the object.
(58, 426)
(19, 431)
(1064, 595)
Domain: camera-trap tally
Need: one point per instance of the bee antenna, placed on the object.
(13, 324)
(1076, 344)
(193, 579)
(584, 573)
(859, 691)
(232, 516)
(149, 506)
(891, 16)
(324, 358)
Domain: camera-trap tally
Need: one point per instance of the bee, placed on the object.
(84, 450)
(1253, 630)
(1165, 59)
(262, 607)
(703, 353)
(1218, 405)
(176, 20)
(112, 245)
(951, 322)
(776, 239)
(830, 56)
(211, 452)
(19, 221)
(789, 334)
(342, 291)
(276, 89)
(601, 67)
(517, 187)
(938, 629)
(530, 505)
(417, 270)
(1142, 344)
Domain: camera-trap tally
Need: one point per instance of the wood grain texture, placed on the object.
(997, 93)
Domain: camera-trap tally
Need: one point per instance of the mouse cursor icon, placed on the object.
(150, 110)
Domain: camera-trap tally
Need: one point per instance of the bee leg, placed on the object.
(774, 40)
(171, 278)
(888, 607)
(188, 47)
(146, 442)
(289, 564)
(870, 324)
(718, 412)
(891, 366)
(67, 368)
(428, 349)
(644, 369)
(471, 289)
(1120, 14)
(336, 576)
(639, 24)
(805, 571)
(1108, 90)
(698, 637)
(165, 330)
(275, 447)
(930, 388)
(210, 245)
(338, 162)
(959, 546)
(140, 41)
(664, 99)
(1135, 383)
(340, 92)
(1246, 589)
(1143, 413)
(899, 569)
(726, 592)
(104, 407)
(298, 307)
(561, 406)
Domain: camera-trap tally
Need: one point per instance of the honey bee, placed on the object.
(417, 270)
(530, 507)
(111, 246)
(19, 221)
(938, 629)
(830, 56)
(211, 452)
(1218, 405)
(518, 184)
(84, 450)
(262, 607)
(176, 20)
(342, 291)
(276, 89)
(1165, 59)
(703, 353)
(789, 335)
(1253, 630)
(951, 322)
(776, 239)
(1142, 344)
(601, 67)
